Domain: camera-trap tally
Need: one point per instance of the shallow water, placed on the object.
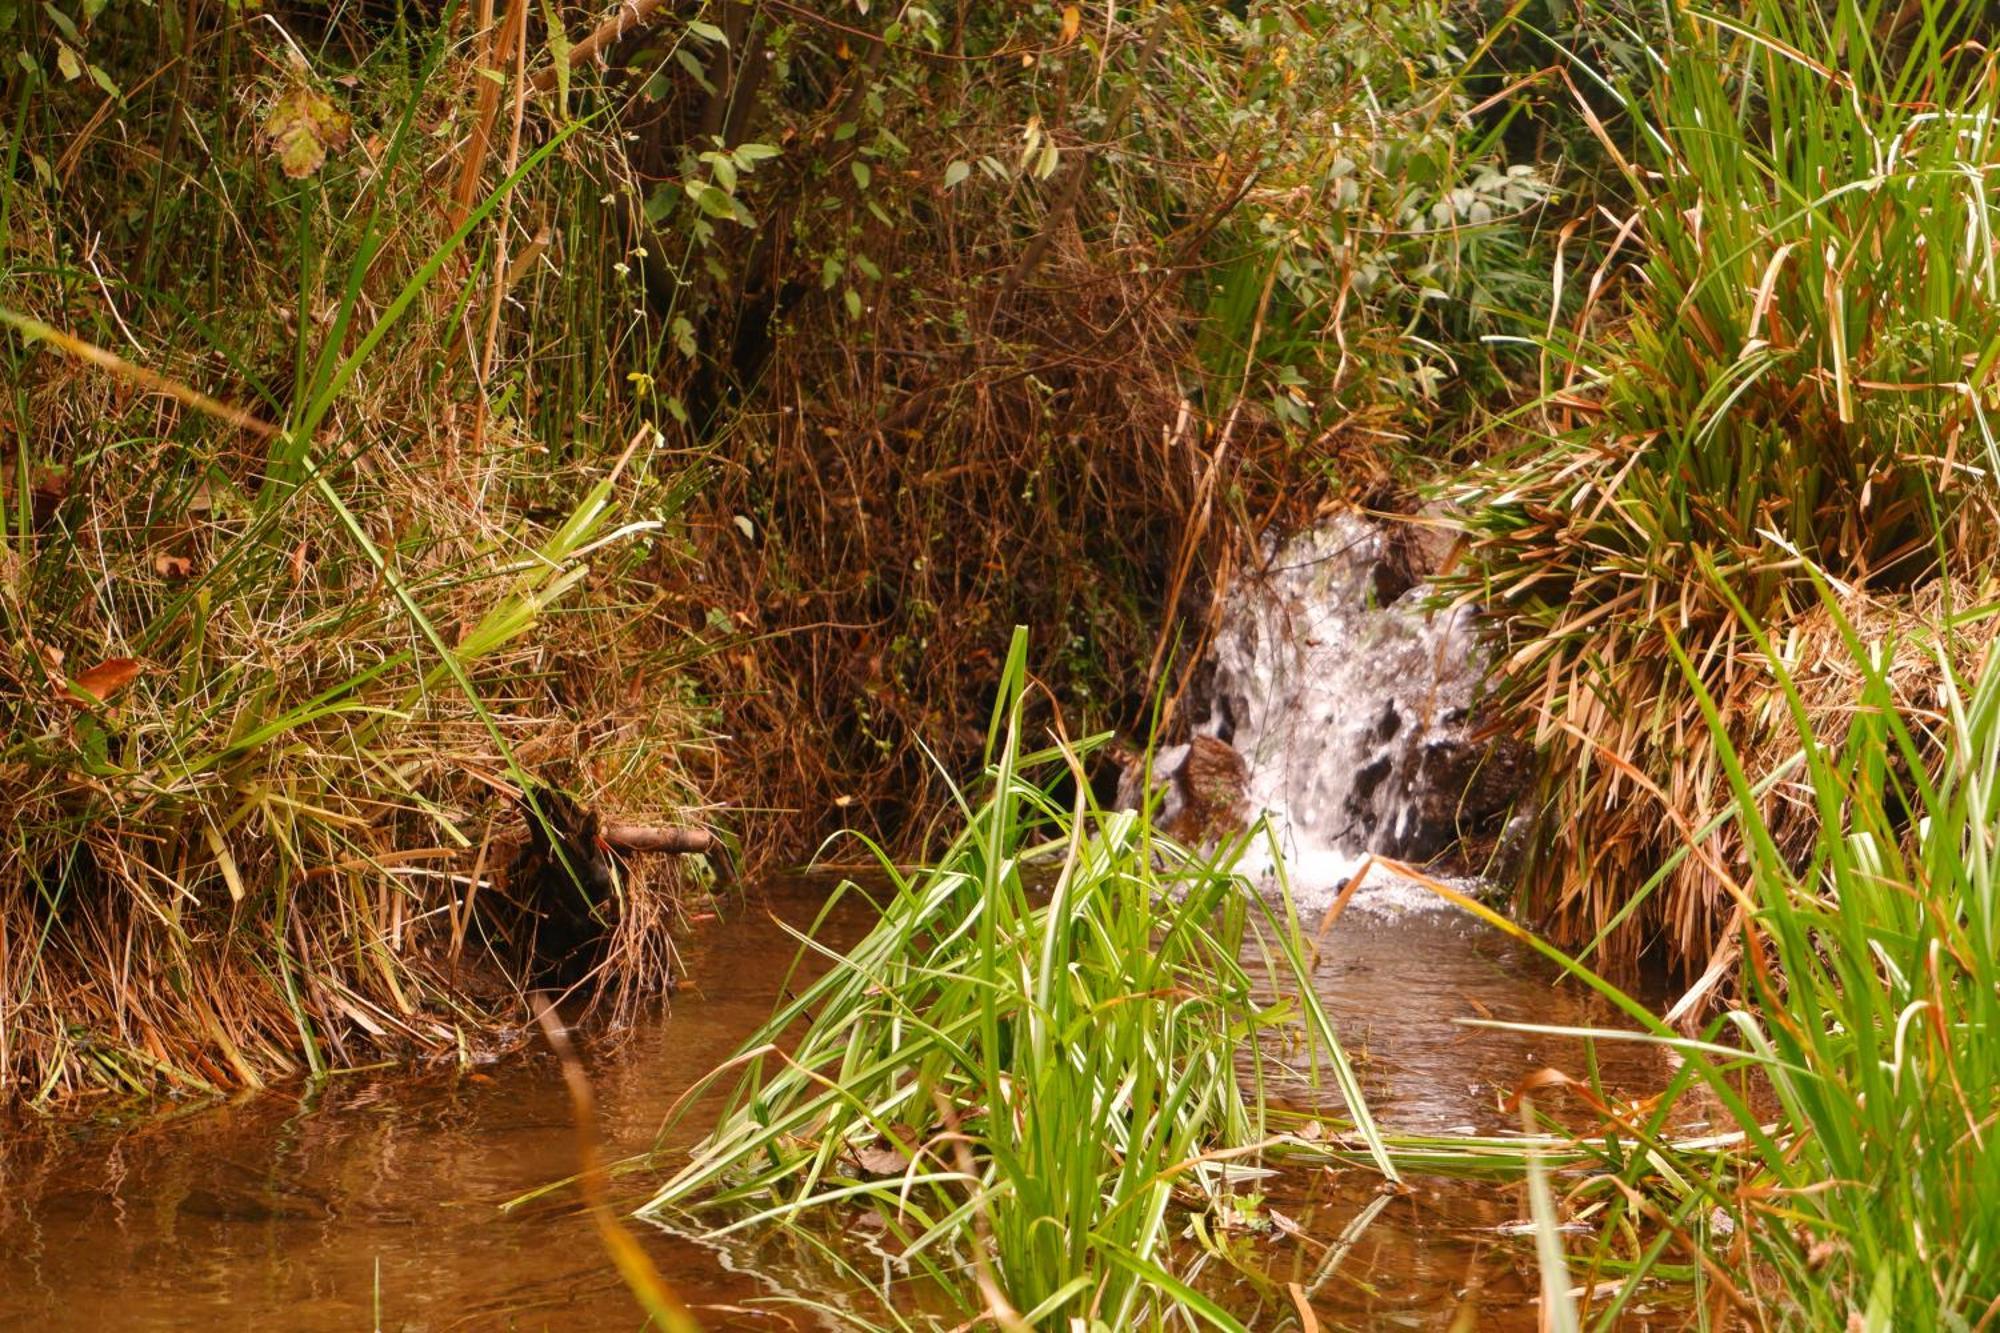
(372, 1201)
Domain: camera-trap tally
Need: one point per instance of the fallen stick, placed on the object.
(643, 838)
(630, 16)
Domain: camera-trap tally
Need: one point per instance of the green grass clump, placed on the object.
(1877, 1018)
(1020, 1080)
(1781, 364)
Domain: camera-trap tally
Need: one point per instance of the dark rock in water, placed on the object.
(1462, 788)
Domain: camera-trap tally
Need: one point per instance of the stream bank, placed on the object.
(377, 1197)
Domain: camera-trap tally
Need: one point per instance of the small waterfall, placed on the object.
(1353, 705)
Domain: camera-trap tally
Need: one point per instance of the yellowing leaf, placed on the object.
(1072, 20)
(302, 126)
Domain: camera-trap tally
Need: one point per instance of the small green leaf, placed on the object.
(747, 153)
(708, 32)
(66, 61)
(862, 172)
(956, 173)
(710, 200)
(61, 20)
(843, 131)
(867, 267)
(853, 300)
(558, 55)
(691, 62)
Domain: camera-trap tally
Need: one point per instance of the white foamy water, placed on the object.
(1346, 708)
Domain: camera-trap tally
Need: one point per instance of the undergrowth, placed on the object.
(326, 525)
(1783, 363)
(1846, 1099)
(1040, 315)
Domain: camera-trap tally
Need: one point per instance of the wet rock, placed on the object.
(1200, 787)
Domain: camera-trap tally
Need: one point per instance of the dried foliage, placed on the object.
(994, 316)
(1783, 367)
(271, 665)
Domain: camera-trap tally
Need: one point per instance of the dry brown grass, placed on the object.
(262, 852)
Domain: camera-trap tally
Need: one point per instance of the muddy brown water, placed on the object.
(373, 1201)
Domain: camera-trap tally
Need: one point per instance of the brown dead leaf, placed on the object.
(97, 684)
(172, 566)
(881, 1160)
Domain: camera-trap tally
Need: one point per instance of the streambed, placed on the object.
(373, 1199)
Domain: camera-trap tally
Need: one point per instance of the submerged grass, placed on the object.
(1044, 1048)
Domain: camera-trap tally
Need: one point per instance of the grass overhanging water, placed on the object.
(1029, 1065)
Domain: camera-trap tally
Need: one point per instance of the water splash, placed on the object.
(1352, 701)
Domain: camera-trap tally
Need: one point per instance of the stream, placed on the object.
(373, 1200)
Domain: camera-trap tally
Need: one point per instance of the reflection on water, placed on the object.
(372, 1201)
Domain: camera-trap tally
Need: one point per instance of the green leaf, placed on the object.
(66, 61)
(61, 20)
(867, 267)
(853, 300)
(558, 55)
(708, 32)
(691, 62)
(748, 153)
(862, 172)
(710, 200)
(955, 174)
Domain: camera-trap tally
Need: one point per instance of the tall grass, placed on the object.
(1878, 991)
(312, 551)
(1028, 1066)
(1778, 366)
(1848, 1099)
